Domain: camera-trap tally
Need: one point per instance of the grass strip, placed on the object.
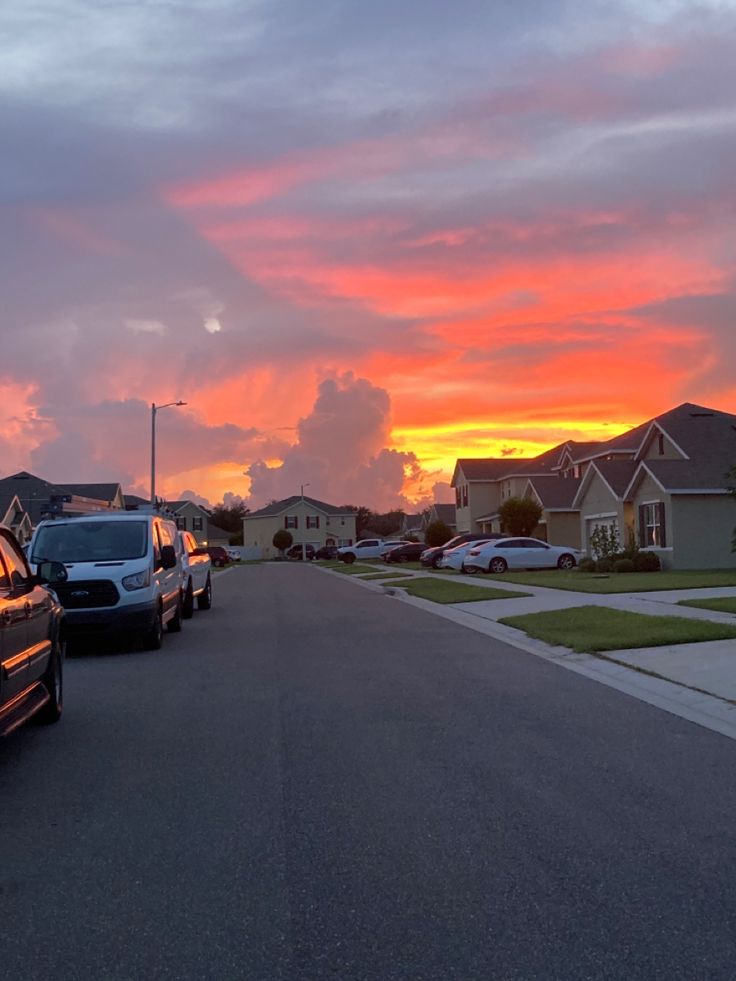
(588, 629)
(722, 604)
(353, 570)
(622, 582)
(442, 591)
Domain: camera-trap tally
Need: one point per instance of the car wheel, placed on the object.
(348, 558)
(174, 624)
(187, 610)
(566, 561)
(154, 637)
(498, 566)
(53, 681)
(204, 600)
(436, 561)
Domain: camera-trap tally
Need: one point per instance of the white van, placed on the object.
(124, 573)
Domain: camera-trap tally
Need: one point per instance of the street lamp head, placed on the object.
(180, 403)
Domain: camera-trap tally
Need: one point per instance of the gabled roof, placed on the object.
(278, 507)
(555, 493)
(583, 450)
(539, 465)
(178, 505)
(446, 513)
(134, 501)
(490, 468)
(6, 499)
(616, 474)
(675, 476)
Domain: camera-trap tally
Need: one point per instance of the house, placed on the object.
(661, 485)
(197, 519)
(310, 522)
(413, 525)
(665, 486)
(40, 498)
(444, 513)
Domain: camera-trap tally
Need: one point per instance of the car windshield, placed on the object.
(91, 541)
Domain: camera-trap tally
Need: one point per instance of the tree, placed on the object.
(230, 517)
(282, 540)
(437, 533)
(520, 515)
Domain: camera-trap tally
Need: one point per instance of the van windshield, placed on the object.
(91, 541)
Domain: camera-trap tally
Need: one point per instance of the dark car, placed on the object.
(217, 554)
(326, 552)
(295, 552)
(431, 556)
(31, 638)
(408, 552)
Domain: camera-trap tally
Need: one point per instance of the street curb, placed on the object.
(704, 710)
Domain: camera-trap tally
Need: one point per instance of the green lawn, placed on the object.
(356, 569)
(387, 575)
(595, 628)
(443, 591)
(623, 582)
(723, 604)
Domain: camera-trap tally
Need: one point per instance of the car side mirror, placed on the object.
(51, 572)
(168, 556)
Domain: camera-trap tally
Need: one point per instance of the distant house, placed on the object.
(444, 513)
(197, 519)
(412, 524)
(310, 522)
(14, 516)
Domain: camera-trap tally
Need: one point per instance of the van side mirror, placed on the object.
(51, 572)
(168, 556)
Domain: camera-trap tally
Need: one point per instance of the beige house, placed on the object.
(196, 519)
(310, 522)
(14, 516)
(662, 485)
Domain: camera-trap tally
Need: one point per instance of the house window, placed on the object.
(197, 524)
(291, 521)
(458, 498)
(181, 524)
(465, 496)
(652, 525)
(312, 521)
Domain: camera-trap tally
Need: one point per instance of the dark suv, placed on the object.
(31, 639)
(218, 555)
(432, 556)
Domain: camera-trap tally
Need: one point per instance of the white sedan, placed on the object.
(453, 557)
(519, 553)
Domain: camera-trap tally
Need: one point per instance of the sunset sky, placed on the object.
(360, 239)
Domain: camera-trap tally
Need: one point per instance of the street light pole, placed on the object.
(154, 409)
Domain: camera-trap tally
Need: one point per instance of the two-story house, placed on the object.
(310, 522)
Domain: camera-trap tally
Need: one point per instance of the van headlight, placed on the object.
(139, 580)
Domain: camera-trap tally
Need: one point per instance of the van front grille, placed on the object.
(86, 594)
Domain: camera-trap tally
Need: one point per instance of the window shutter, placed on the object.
(642, 526)
(317, 525)
(286, 521)
(662, 529)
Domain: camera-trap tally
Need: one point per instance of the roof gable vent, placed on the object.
(702, 415)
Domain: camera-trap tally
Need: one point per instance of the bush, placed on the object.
(586, 565)
(437, 534)
(604, 565)
(519, 516)
(623, 565)
(647, 562)
(282, 540)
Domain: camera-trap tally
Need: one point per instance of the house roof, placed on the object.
(278, 507)
(98, 492)
(446, 513)
(555, 493)
(491, 468)
(178, 505)
(7, 497)
(134, 501)
(681, 475)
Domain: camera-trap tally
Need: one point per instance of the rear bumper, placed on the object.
(131, 618)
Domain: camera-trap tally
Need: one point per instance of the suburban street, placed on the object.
(315, 781)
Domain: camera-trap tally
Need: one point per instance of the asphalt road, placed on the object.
(315, 781)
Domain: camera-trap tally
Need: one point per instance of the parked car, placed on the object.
(124, 573)
(326, 552)
(297, 552)
(217, 554)
(233, 554)
(366, 548)
(431, 556)
(452, 558)
(31, 638)
(519, 553)
(408, 552)
(196, 578)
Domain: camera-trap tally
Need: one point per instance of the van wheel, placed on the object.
(204, 600)
(174, 624)
(54, 683)
(187, 610)
(154, 637)
(348, 558)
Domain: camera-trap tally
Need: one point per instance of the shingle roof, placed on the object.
(617, 473)
(98, 492)
(554, 492)
(676, 475)
(278, 507)
(446, 513)
(492, 468)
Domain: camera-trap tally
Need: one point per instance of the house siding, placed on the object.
(648, 491)
(258, 532)
(483, 498)
(703, 527)
(598, 500)
(563, 528)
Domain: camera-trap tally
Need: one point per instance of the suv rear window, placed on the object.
(91, 541)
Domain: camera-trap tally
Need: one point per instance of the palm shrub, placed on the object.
(520, 515)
